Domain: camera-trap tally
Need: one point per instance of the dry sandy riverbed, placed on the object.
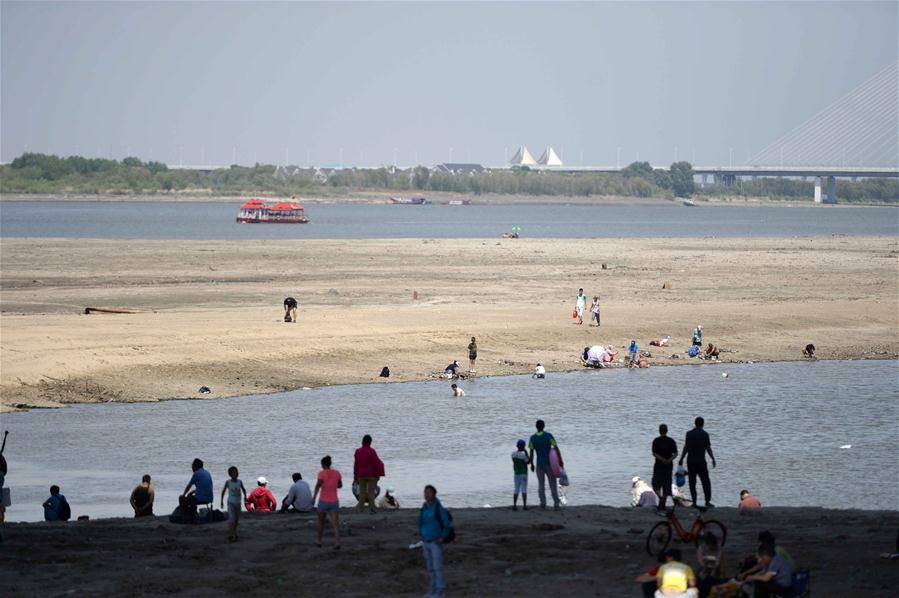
(210, 312)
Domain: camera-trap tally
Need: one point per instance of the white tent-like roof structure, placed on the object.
(523, 158)
(549, 158)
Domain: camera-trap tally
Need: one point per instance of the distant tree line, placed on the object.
(40, 173)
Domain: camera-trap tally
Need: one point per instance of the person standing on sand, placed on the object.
(579, 304)
(664, 450)
(329, 480)
(367, 468)
(142, 498)
(594, 311)
(697, 336)
(290, 309)
(434, 525)
(541, 443)
(520, 462)
(234, 487)
(696, 445)
(472, 355)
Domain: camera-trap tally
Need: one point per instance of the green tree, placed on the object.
(420, 176)
(682, 179)
(638, 169)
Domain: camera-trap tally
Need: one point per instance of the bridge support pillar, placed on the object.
(831, 189)
(818, 189)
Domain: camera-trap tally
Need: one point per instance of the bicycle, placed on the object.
(661, 533)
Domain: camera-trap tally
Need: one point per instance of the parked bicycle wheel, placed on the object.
(714, 526)
(659, 538)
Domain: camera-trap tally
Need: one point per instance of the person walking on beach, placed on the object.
(367, 468)
(142, 498)
(520, 462)
(434, 525)
(472, 355)
(234, 487)
(664, 450)
(579, 304)
(540, 444)
(594, 311)
(329, 480)
(696, 445)
(290, 309)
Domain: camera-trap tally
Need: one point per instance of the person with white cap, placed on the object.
(642, 495)
(261, 499)
(697, 335)
(389, 501)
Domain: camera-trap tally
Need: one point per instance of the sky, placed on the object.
(379, 83)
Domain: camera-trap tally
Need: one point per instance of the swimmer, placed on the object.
(457, 392)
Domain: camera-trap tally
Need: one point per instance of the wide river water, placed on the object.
(208, 221)
(777, 429)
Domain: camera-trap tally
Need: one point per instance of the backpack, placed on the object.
(65, 511)
(452, 532)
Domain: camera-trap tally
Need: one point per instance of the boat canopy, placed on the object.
(286, 205)
(253, 204)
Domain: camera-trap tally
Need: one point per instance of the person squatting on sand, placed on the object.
(388, 502)
(56, 508)
(435, 526)
(299, 496)
(748, 501)
(367, 468)
(290, 309)
(641, 494)
(329, 480)
(261, 498)
(541, 442)
(142, 498)
(520, 462)
(696, 445)
(539, 372)
(234, 487)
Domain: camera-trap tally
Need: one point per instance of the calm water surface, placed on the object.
(208, 221)
(776, 429)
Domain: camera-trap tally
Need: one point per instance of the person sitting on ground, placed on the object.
(457, 392)
(452, 369)
(751, 564)
(389, 501)
(142, 498)
(710, 572)
(385, 372)
(776, 577)
(539, 371)
(584, 356)
(647, 581)
(675, 579)
(290, 309)
(56, 508)
(642, 495)
(201, 480)
(748, 501)
(299, 497)
(712, 351)
(809, 350)
(261, 499)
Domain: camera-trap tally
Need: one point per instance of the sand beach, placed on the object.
(209, 313)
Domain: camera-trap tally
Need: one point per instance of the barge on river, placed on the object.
(284, 212)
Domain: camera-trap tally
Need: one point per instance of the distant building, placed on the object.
(452, 168)
(523, 158)
(549, 158)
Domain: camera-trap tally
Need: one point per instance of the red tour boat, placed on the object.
(285, 212)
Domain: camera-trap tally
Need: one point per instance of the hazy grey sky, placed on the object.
(194, 81)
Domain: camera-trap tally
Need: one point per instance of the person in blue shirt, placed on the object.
(540, 444)
(633, 351)
(53, 506)
(434, 525)
(201, 480)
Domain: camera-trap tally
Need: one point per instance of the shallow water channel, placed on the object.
(776, 429)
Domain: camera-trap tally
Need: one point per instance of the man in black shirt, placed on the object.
(696, 445)
(664, 449)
